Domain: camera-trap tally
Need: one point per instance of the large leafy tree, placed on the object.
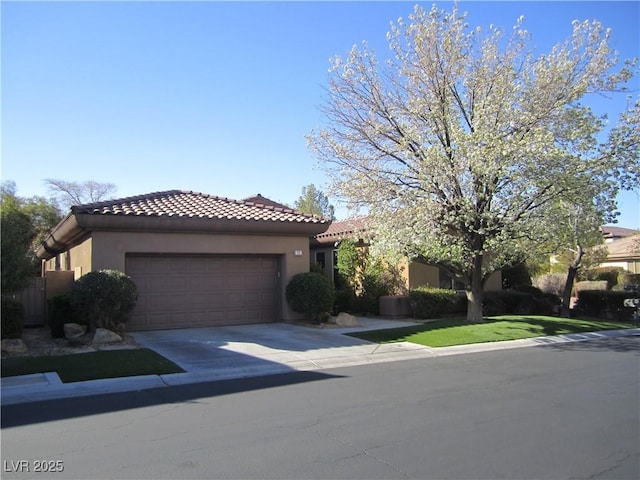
(460, 143)
(313, 201)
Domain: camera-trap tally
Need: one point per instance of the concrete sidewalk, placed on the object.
(223, 353)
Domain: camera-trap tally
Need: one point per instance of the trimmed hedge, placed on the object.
(591, 285)
(311, 294)
(529, 302)
(436, 302)
(12, 315)
(605, 304)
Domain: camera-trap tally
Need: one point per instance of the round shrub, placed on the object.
(516, 276)
(12, 315)
(104, 299)
(60, 312)
(311, 294)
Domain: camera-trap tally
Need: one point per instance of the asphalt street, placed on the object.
(566, 411)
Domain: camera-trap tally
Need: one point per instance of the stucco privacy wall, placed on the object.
(109, 250)
(77, 258)
(420, 274)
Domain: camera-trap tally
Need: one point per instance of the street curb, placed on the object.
(47, 386)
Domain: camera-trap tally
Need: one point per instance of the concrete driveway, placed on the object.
(265, 348)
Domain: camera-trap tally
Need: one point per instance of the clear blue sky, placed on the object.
(214, 97)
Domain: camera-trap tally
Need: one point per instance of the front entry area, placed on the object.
(182, 291)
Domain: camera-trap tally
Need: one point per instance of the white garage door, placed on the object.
(199, 291)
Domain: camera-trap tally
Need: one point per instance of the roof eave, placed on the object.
(60, 237)
(75, 224)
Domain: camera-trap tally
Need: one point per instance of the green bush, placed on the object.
(12, 314)
(311, 294)
(541, 303)
(629, 281)
(607, 274)
(364, 278)
(61, 311)
(508, 302)
(374, 286)
(515, 277)
(436, 302)
(104, 299)
(605, 304)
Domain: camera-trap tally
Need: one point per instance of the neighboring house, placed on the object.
(611, 233)
(197, 260)
(624, 253)
(414, 274)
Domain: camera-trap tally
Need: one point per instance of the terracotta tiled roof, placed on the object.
(186, 204)
(353, 227)
(260, 200)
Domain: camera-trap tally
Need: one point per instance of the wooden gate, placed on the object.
(34, 301)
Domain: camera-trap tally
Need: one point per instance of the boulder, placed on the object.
(346, 320)
(74, 330)
(103, 335)
(13, 345)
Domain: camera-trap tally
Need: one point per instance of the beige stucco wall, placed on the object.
(494, 282)
(630, 266)
(420, 275)
(110, 248)
(78, 259)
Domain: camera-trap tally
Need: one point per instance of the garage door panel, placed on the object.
(190, 291)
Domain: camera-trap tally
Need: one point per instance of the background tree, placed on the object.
(314, 201)
(25, 222)
(17, 232)
(68, 193)
(461, 141)
(576, 234)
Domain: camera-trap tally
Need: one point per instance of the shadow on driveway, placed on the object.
(244, 346)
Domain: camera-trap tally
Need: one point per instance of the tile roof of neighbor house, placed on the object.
(342, 229)
(611, 232)
(259, 199)
(187, 204)
(625, 248)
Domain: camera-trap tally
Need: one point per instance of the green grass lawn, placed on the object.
(445, 333)
(92, 365)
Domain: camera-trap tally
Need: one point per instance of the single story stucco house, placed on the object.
(414, 274)
(197, 260)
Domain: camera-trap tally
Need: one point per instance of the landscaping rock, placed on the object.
(13, 345)
(103, 335)
(346, 320)
(74, 330)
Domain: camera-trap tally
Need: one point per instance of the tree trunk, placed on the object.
(474, 294)
(568, 286)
